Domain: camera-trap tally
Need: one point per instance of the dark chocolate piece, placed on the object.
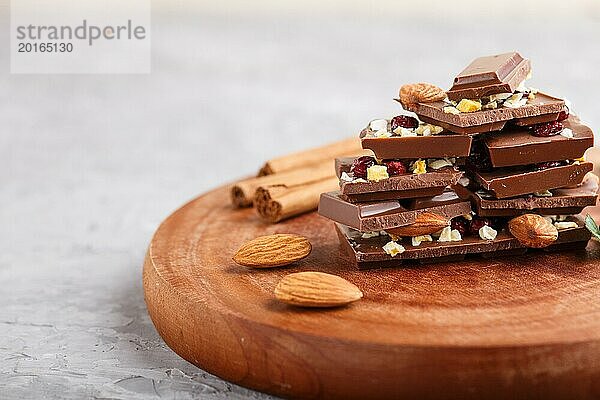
(511, 182)
(484, 76)
(369, 217)
(405, 186)
(369, 253)
(519, 147)
(565, 201)
(488, 120)
(434, 146)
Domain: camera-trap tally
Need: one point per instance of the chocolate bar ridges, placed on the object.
(489, 120)
(434, 146)
(377, 216)
(511, 182)
(368, 253)
(484, 76)
(519, 147)
(564, 201)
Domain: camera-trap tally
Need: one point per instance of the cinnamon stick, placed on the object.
(347, 147)
(276, 203)
(242, 193)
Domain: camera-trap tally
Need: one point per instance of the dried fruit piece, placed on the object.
(486, 232)
(414, 93)
(440, 163)
(467, 106)
(451, 110)
(316, 289)
(377, 173)
(404, 121)
(428, 130)
(564, 114)
(395, 167)
(533, 230)
(360, 165)
(449, 235)
(419, 167)
(417, 240)
(461, 224)
(479, 158)
(477, 223)
(547, 129)
(393, 249)
(560, 225)
(425, 224)
(273, 251)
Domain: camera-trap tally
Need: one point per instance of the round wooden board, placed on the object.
(522, 327)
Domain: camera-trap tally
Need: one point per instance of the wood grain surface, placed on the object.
(520, 327)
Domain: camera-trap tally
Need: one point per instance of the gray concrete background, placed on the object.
(91, 164)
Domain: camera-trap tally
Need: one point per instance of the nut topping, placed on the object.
(533, 230)
(414, 93)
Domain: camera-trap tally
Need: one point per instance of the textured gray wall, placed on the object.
(90, 165)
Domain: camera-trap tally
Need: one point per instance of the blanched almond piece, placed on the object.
(273, 251)
(316, 289)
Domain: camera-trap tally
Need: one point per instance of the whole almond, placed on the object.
(316, 289)
(533, 230)
(425, 224)
(414, 93)
(273, 251)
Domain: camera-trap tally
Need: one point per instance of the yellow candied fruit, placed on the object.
(580, 159)
(377, 173)
(419, 167)
(468, 106)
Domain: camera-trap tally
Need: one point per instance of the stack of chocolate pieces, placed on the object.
(452, 181)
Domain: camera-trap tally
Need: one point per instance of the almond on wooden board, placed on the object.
(316, 289)
(273, 251)
(533, 230)
(425, 224)
(413, 93)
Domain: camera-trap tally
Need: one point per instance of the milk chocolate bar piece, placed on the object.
(501, 73)
(377, 216)
(434, 146)
(510, 182)
(404, 186)
(369, 253)
(519, 147)
(490, 120)
(565, 201)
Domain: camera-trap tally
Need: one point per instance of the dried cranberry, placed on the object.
(477, 223)
(547, 129)
(564, 114)
(479, 161)
(479, 158)
(404, 121)
(461, 224)
(360, 165)
(395, 167)
(548, 164)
